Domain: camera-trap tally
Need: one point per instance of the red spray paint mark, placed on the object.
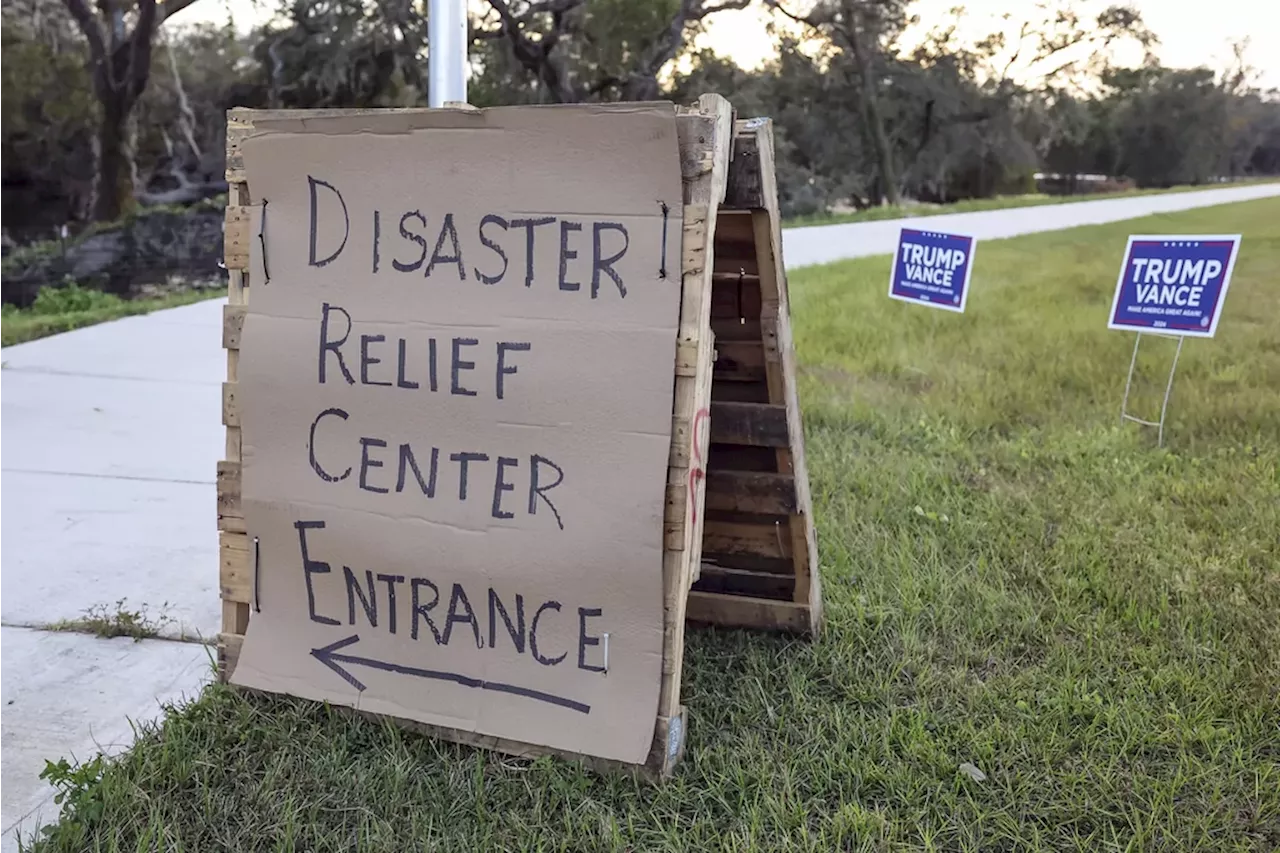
(696, 473)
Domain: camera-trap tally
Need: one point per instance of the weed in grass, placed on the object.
(1043, 632)
(79, 793)
(118, 620)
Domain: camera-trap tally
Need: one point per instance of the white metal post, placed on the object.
(1168, 389)
(447, 65)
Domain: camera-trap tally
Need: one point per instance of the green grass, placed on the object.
(1012, 581)
(898, 211)
(62, 309)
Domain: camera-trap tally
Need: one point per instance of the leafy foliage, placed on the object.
(866, 109)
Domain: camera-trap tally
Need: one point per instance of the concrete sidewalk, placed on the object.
(820, 244)
(111, 435)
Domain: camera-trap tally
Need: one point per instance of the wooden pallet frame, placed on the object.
(760, 567)
(706, 134)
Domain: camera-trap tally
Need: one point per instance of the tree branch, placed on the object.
(140, 49)
(729, 5)
(88, 24)
(170, 8)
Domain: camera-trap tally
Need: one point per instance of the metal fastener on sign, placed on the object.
(257, 606)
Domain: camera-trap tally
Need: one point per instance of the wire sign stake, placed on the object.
(1168, 389)
(1171, 285)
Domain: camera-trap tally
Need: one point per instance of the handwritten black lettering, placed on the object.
(423, 611)
(529, 225)
(312, 567)
(401, 382)
(328, 345)
(536, 491)
(447, 230)
(585, 613)
(366, 360)
(462, 459)
(533, 635)
(567, 254)
(516, 631)
(503, 368)
(605, 265)
(377, 237)
(493, 219)
(416, 238)
(366, 463)
(459, 365)
(311, 447)
(408, 463)
(500, 485)
(457, 604)
(431, 362)
(368, 603)
(312, 184)
(391, 581)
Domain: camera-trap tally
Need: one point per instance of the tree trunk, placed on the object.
(113, 188)
(874, 122)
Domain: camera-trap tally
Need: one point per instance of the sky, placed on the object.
(1192, 32)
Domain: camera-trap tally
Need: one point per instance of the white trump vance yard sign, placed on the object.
(456, 384)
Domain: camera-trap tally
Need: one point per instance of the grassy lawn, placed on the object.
(972, 205)
(62, 309)
(1043, 632)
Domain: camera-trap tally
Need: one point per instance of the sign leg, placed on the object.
(1128, 383)
(1168, 389)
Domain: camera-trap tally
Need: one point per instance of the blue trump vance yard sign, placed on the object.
(932, 268)
(1174, 285)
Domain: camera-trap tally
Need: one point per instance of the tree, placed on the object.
(119, 65)
(865, 31)
(577, 50)
(47, 119)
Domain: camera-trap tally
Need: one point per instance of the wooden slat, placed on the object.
(751, 491)
(733, 226)
(746, 185)
(780, 363)
(230, 515)
(739, 361)
(235, 567)
(235, 238)
(736, 296)
(705, 136)
(230, 405)
(737, 457)
(735, 329)
(740, 582)
(767, 539)
(232, 325)
(738, 611)
(228, 653)
(754, 424)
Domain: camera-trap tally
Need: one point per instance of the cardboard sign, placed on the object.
(932, 268)
(1174, 284)
(456, 384)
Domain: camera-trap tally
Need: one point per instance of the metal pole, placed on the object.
(447, 46)
(1168, 389)
(1124, 404)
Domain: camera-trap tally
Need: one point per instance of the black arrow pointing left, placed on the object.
(330, 657)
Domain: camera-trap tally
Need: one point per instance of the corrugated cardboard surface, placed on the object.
(465, 617)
